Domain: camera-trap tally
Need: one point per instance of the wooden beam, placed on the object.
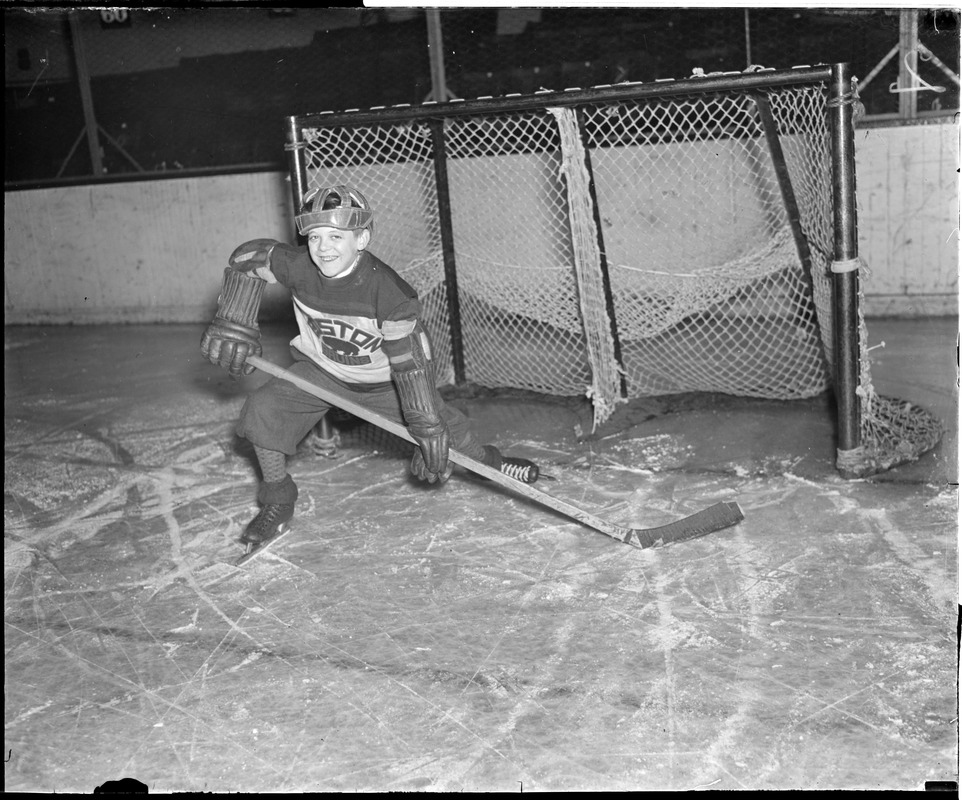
(86, 98)
(908, 63)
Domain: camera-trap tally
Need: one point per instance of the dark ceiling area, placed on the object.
(224, 110)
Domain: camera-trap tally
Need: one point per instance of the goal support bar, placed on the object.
(845, 283)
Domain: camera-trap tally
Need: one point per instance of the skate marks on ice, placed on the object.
(131, 656)
(112, 495)
(823, 627)
(93, 513)
(749, 637)
(82, 598)
(770, 597)
(406, 637)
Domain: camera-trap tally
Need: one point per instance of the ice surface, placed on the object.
(405, 637)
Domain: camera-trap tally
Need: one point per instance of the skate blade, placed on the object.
(252, 550)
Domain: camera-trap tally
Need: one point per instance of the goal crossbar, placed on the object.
(671, 87)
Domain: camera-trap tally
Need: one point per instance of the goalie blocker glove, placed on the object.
(234, 333)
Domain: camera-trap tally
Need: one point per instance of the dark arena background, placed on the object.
(197, 89)
(700, 265)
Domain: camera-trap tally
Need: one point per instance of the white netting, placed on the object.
(708, 287)
(521, 323)
(710, 293)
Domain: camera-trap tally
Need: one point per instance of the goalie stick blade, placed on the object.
(255, 550)
(715, 518)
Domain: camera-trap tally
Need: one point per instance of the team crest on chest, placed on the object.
(343, 342)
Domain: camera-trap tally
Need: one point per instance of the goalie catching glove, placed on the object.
(409, 354)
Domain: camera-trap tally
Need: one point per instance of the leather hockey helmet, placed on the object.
(346, 209)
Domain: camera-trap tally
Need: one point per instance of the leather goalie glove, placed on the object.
(234, 333)
(419, 467)
(411, 369)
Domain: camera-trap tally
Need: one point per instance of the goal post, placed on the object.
(631, 240)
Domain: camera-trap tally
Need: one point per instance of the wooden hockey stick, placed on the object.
(709, 520)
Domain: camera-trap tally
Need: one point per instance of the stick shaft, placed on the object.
(389, 425)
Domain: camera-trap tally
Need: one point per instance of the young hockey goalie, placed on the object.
(360, 336)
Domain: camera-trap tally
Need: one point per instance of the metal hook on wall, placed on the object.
(923, 86)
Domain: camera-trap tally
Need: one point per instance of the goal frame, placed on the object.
(840, 107)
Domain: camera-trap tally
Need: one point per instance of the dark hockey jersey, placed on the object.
(340, 318)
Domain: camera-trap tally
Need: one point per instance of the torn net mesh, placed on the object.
(708, 292)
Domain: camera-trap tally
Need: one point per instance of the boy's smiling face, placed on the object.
(333, 250)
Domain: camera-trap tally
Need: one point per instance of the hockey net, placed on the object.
(618, 247)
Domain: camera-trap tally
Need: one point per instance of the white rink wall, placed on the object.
(907, 183)
(152, 251)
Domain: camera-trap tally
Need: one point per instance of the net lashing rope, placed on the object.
(605, 389)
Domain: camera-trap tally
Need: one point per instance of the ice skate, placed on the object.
(521, 469)
(270, 524)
